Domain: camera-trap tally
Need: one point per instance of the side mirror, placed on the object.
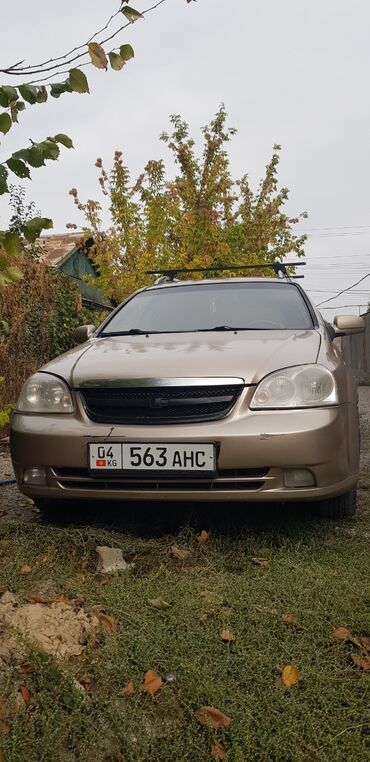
(347, 325)
(83, 333)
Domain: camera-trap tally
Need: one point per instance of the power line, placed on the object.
(343, 290)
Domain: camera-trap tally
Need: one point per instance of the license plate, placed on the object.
(132, 456)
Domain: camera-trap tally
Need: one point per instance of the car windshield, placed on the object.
(212, 307)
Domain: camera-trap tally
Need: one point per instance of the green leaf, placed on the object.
(5, 122)
(97, 55)
(3, 99)
(126, 52)
(42, 94)
(33, 228)
(21, 154)
(34, 157)
(28, 93)
(10, 93)
(78, 81)
(15, 107)
(13, 274)
(49, 149)
(58, 88)
(18, 167)
(131, 14)
(3, 179)
(64, 140)
(116, 62)
(12, 243)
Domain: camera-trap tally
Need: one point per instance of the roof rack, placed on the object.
(280, 269)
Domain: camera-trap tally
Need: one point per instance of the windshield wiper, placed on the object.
(131, 332)
(221, 328)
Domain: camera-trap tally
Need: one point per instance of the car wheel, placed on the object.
(336, 508)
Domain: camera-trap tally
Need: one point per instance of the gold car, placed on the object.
(210, 390)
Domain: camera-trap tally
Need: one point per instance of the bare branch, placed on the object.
(66, 59)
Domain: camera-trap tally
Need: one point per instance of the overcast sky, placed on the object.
(294, 73)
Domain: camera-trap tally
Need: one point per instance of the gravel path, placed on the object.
(16, 507)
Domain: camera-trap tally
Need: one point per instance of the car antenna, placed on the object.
(280, 269)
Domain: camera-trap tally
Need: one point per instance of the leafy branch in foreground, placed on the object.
(15, 99)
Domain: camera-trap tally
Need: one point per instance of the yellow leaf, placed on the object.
(25, 693)
(41, 561)
(152, 682)
(159, 603)
(290, 675)
(227, 635)
(180, 553)
(203, 537)
(217, 751)
(25, 569)
(129, 689)
(97, 55)
(107, 622)
(289, 618)
(208, 715)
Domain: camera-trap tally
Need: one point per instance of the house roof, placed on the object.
(57, 247)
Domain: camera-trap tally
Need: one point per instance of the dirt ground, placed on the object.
(16, 507)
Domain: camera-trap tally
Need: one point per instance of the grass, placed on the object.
(317, 570)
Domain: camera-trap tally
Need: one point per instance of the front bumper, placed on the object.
(255, 447)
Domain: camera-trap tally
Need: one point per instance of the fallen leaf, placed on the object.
(289, 618)
(36, 598)
(217, 751)
(152, 682)
(290, 675)
(260, 561)
(211, 597)
(25, 569)
(4, 727)
(159, 603)
(265, 610)
(208, 715)
(227, 635)
(107, 622)
(104, 580)
(203, 537)
(129, 689)
(25, 693)
(2, 758)
(180, 553)
(41, 561)
(365, 642)
(341, 633)
(361, 662)
(202, 615)
(26, 668)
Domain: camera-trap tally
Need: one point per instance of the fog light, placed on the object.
(298, 477)
(34, 476)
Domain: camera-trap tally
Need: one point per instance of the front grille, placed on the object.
(171, 404)
(247, 479)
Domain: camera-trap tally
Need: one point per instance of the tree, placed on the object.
(35, 88)
(202, 218)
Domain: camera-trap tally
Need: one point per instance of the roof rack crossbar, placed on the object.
(280, 269)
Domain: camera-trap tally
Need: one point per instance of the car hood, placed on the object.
(249, 355)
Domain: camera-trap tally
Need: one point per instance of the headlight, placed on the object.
(44, 393)
(300, 386)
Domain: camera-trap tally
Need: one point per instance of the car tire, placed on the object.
(337, 508)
